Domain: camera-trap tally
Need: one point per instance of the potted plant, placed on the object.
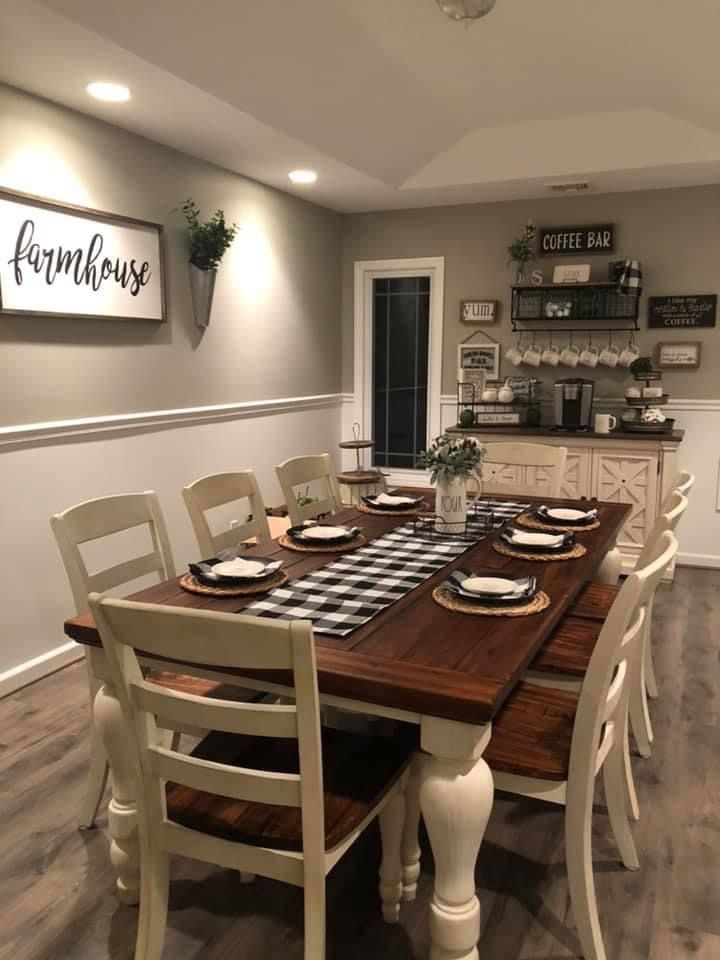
(522, 251)
(451, 462)
(208, 243)
(641, 366)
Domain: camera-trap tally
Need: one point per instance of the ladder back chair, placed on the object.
(557, 755)
(217, 490)
(265, 792)
(90, 522)
(523, 469)
(302, 471)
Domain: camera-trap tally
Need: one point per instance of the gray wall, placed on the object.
(674, 233)
(275, 329)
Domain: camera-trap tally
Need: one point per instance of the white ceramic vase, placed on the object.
(451, 505)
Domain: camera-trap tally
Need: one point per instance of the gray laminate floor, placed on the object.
(56, 898)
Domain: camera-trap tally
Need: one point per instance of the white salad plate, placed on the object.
(492, 586)
(245, 569)
(325, 533)
(565, 513)
(527, 539)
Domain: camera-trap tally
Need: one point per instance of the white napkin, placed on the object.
(387, 500)
(528, 539)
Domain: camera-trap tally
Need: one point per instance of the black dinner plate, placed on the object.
(542, 514)
(203, 570)
(455, 581)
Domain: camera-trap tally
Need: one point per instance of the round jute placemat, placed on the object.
(577, 551)
(530, 522)
(285, 541)
(411, 512)
(445, 598)
(193, 585)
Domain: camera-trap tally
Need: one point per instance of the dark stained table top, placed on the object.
(416, 655)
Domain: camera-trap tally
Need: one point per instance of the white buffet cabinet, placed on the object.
(620, 468)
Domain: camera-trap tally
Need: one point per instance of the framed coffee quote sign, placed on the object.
(66, 261)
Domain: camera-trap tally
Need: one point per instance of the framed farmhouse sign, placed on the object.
(678, 355)
(555, 241)
(478, 311)
(698, 310)
(58, 260)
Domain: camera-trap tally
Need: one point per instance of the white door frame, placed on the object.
(365, 272)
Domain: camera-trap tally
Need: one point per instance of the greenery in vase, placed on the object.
(209, 240)
(449, 457)
(522, 250)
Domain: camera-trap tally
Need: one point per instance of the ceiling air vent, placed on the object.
(571, 186)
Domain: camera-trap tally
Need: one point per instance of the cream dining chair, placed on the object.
(266, 792)
(523, 469)
(220, 489)
(88, 523)
(301, 472)
(551, 745)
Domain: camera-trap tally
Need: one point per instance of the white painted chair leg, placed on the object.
(611, 567)
(315, 919)
(578, 855)
(651, 686)
(391, 819)
(153, 905)
(410, 851)
(638, 706)
(615, 795)
(633, 805)
(456, 799)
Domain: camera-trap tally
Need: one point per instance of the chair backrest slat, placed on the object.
(298, 471)
(216, 490)
(102, 517)
(227, 642)
(255, 786)
(523, 469)
(176, 711)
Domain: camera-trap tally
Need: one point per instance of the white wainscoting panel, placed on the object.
(45, 468)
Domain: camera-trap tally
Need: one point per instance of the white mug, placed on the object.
(514, 355)
(533, 355)
(609, 356)
(605, 422)
(589, 356)
(628, 355)
(570, 355)
(551, 355)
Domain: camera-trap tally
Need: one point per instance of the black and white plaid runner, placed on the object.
(349, 591)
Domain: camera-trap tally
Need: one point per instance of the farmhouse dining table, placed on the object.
(415, 661)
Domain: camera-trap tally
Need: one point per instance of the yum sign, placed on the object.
(70, 261)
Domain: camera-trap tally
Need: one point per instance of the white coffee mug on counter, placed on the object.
(605, 422)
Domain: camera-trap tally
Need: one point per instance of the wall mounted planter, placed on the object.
(202, 288)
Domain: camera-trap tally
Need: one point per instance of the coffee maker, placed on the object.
(573, 400)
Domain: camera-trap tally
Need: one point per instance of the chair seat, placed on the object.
(569, 649)
(357, 772)
(531, 735)
(594, 600)
(199, 686)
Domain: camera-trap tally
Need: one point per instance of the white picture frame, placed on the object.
(58, 260)
(478, 311)
(474, 358)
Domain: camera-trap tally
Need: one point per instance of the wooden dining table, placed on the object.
(415, 661)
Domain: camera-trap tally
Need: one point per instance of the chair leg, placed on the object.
(410, 850)
(578, 854)
(632, 799)
(616, 797)
(98, 769)
(651, 687)
(315, 919)
(153, 905)
(391, 819)
(639, 712)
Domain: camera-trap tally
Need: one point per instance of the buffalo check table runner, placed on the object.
(350, 590)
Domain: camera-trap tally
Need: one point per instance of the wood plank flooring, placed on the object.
(56, 895)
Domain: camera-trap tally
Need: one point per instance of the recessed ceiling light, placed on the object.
(303, 176)
(111, 92)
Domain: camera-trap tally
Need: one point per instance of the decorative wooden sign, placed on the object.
(556, 241)
(698, 310)
(478, 311)
(572, 273)
(678, 355)
(58, 260)
(476, 358)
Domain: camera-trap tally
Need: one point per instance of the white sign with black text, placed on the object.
(69, 261)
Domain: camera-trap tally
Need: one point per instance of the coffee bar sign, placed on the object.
(58, 260)
(555, 241)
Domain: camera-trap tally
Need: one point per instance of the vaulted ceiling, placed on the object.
(391, 102)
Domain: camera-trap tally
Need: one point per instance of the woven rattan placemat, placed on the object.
(577, 551)
(446, 598)
(193, 585)
(285, 541)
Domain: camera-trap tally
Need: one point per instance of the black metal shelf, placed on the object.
(560, 307)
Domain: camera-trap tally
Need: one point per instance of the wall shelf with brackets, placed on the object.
(583, 306)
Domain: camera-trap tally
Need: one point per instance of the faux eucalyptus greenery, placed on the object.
(522, 249)
(208, 240)
(449, 457)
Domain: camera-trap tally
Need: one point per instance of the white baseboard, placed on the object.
(25, 673)
(710, 561)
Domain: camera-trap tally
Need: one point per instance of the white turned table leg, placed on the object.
(456, 795)
(122, 809)
(410, 850)
(611, 567)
